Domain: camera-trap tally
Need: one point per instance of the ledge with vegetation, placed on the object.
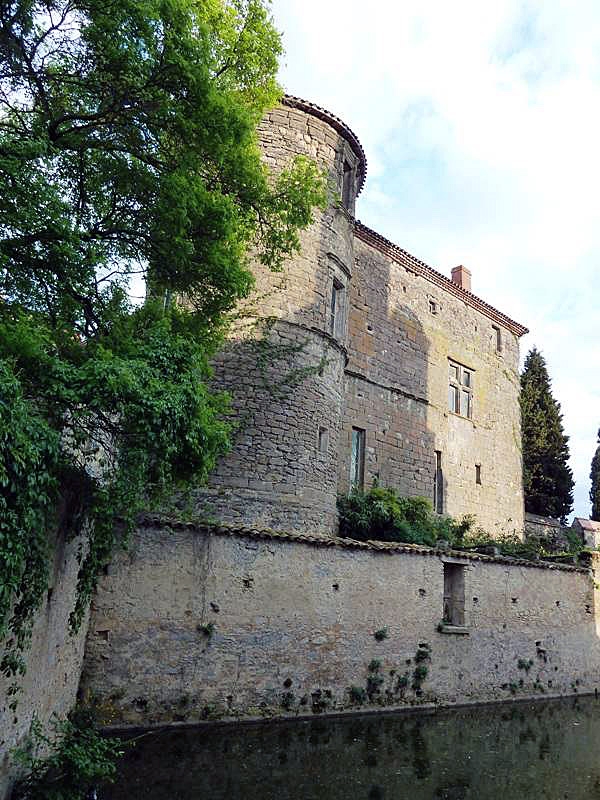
(380, 514)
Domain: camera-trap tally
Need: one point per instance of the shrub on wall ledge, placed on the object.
(381, 514)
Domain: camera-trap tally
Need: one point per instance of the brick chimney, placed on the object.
(461, 276)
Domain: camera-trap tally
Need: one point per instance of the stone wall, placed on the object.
(283, 364)
(301, 378)
(295, 619)
(403, 329)
(54, 661)
(548, 532)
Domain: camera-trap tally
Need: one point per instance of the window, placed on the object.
(433, 307)
(460, 389)
(357, 459)
(336, 307)
(497, 338)
(347, 185)
(438, 484)
(478, 474)
(454, 594)
(323, 440)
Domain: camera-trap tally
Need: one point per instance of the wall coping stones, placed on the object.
(549, 522)
(325, 540)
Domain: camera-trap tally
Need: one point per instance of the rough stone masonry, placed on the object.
(360, 363)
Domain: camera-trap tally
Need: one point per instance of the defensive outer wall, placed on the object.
(54, 661)
(203, 623)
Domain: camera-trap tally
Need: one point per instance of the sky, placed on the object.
(481, 126)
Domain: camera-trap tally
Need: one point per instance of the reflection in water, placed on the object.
(533, 751)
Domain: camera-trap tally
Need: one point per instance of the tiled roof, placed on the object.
(338, 125)
(324, 540)
(588, 524)
(421, 268)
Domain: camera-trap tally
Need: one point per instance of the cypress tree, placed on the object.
(547, 477)
(595, 488)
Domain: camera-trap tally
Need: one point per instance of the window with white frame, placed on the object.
(460, 389)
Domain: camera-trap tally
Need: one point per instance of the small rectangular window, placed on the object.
(433, 307)
(347, 185)
(323, 440)
(497, 338)
(454, 594)
(336, 307)
(460, 390)
(357, 459)
(478, 474)
(438, 484)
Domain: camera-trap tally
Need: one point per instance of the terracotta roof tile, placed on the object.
(324, 540)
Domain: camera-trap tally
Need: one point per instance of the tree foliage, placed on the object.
(595, 487)
(547, 477)
(128, 158)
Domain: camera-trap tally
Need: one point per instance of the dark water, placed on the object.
(546, 751)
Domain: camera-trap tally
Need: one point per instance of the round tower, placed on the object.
(284, 362)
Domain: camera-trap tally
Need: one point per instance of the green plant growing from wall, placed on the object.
(358, 695)
(381, 634)
(144, 178)
(525, 664)
(207, 629)
(76, 760)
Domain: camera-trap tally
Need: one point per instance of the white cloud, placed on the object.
(481, 124)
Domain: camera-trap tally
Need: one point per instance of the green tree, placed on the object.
(547, 477)
(595, 487)
(128, 157)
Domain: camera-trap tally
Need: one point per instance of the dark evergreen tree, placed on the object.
(595, 488)
(547, 477)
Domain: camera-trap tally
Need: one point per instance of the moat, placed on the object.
(520, 751)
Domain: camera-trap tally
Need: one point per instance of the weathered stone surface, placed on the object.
(296, 621)
(54, 661)
(383, 368)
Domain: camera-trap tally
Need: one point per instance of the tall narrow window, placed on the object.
(347, 185)
(336, 307)
(497, 338)
(438, 484)
(478, 474)
(460, 390)
(454, 594)
(323, 440)
(357, 459)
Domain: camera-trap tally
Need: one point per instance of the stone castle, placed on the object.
(362, 363)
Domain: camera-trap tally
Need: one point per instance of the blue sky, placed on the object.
(481, 125)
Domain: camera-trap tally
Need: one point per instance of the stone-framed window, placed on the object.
(336, 308)
(323, 440)
(438, 484)
(478, 474)
(460, 389)
(497, 338)
(454, 595)
(357, 459)
(348, 185)
(347, 178)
